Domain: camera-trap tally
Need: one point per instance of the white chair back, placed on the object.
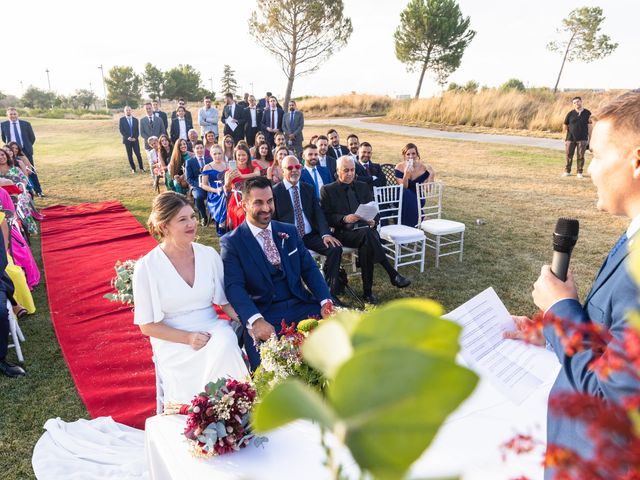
(389, 201)
(429, 201)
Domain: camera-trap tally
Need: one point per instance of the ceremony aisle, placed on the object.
(109, 359)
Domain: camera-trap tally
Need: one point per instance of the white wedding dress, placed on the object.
(102, 448)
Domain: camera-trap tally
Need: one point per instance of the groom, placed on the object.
(265, 263)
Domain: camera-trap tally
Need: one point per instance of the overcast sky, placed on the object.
(72, 39)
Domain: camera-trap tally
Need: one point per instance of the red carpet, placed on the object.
(109, 359)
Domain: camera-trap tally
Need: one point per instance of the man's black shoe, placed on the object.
(11, 370)
(400, 281)
(371, 298)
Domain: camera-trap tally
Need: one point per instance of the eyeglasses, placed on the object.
(292, 167)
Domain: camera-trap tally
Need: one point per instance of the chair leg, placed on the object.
(424, 244)
(461, 244)
(395, 256)
(15, 336)
(437, 251)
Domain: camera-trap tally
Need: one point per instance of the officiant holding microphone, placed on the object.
(615, 171)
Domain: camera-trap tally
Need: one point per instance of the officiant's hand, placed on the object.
(197, 340)
(527, 330)
(261, 330)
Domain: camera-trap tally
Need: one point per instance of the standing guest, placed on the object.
(150, 127)
(160, 114)
(340, 200)
(21, 132)
(615, 172)
(228, 145)
(233, 117)
(208, 118)
(577, 124)
(194, 167)
(272, 120)
(187, 113)
(258, 139)
(265, 265)
(296, 203)
(180, 126)
(263, 103)
(353, 144)
(410, 172)
(254, 116)
(325, 160)
(176, 179)
(312, 173)
(264, 158)
(292, 125)
(234, 180)
(192, 138)
(129, 129)
(244, 103)
(371, 173)
(335, 150)
(6, 292)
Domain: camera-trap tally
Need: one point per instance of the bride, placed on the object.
(174, 287)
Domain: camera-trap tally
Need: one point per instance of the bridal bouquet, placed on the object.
(122, 282)
(218, 418)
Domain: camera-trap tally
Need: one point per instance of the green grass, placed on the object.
(517, 192)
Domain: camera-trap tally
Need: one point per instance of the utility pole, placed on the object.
(104, 89)
(211, 80)
(21, 87)
(48, 79)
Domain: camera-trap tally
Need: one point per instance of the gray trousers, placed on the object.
(579, 147)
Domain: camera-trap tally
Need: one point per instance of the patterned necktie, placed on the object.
(297, 211)
(316, 181)
(16, 134)
(270, 249)
(201, 162)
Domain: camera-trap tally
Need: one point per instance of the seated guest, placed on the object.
(180, 126)
(265, 263)
(296, 203)
(409, 173)
(12, 176)
(6, 291)
(335, 150)
(323, 159)
(258, 138)
(22, 293)
(228, 144)
(176, 180)
(163, 152)
(274, 172)
(26, 166)
(192, 138)
(339, 202)
(212, 182)
(371, 173)
(152, 156)
(280, 141)
(194, 167)
(263, 158)
(174, 288)
(234, 179)
(353, 144)
(209, 141)
(11, 155)
(312, 173)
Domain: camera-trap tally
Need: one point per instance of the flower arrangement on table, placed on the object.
(218, 418)
(281, 358)
(123, 282)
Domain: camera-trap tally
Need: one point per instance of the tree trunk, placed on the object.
(290, 78)
(424, 69)
(564, 59)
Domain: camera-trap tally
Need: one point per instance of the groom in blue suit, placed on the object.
(615, 171)
(265, 263)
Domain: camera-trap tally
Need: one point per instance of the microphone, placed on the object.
(565, 237)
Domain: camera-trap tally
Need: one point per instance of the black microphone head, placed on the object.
(565, 235)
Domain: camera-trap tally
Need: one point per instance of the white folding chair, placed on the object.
(15, 332)
(441, 233)
(352, 252)
(404, 244)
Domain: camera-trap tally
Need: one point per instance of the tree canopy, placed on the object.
(153, 79)
(124, 87)
(182, 81)
(228, 81)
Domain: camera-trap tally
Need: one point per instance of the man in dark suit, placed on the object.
(615, 171)
(263, 103)
(236, 116)
(254, 120)
(194, 168)
(272, 121)
(187, 113)
(130, 131)
(21, 132)
(6, 291)
(335, 150)
(312, 173)
(180, 126)
(339, 201)
(296, 203)
(150, 126)
(160, 114)
(292, 125)
(324, 160)
(265, 264)
(370, 172)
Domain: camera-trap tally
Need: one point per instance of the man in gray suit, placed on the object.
(292, 125)
(150, 126)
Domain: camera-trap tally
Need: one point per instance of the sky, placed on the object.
(72, 39)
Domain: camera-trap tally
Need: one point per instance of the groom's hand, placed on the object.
(261, 330)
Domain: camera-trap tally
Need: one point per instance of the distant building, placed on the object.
(403, 97)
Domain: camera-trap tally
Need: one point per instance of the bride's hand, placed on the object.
(197, 340)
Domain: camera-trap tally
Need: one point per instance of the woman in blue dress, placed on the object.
(410, 172)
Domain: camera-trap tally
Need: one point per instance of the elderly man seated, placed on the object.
(339, 202)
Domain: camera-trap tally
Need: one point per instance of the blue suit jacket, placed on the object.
(28, 137)
(247, 281)
(193, 171)
(306, 177)
(613, 294)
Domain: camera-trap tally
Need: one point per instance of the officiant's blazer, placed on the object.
(613, 294)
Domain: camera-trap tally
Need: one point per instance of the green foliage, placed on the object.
(432, 35)
(182, 81)
(513, 84)
(470, 87)
(301, 34)
(36, 98)
(83, 98)
(392, 377)
(2, 95)
(228, 82)
(123, 87)
(153, 80)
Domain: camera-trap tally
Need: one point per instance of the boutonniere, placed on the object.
(283, 236)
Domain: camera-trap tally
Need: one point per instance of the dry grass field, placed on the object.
(516, 192)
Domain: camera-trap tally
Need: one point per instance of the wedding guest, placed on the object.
(234, 180)
(258, 138)
(313, 139)
(6, 291)
(187, 113)
(21, 132)
(312, 173)
(367, 171)
(26, 167)
(177, 181)
(22, 293)
(150, 126)
(193, 167)
(335, 150)
(280, 141)
(263, 158)
(164, 151)
(410, 172)
(180, 125)
(13, 158)
(174, 287)
(254, 117)
(152, 155)
(292, 125)
(274, 172)
(192, 138)
(271, 120)
(209, 141)
(228, 145)
(233, 115)
(208, 118)
(265, 265)
(340, 200)
(160, 114)
(12, 176)
(129, 129)
(353, 144)
(212, 181)
(325, 160)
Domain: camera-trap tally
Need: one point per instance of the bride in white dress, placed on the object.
(174, 286)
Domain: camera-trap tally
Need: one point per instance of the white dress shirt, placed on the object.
(322, 161)
(183, 128)
(254, 121)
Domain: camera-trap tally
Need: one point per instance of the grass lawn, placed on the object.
(516, 192)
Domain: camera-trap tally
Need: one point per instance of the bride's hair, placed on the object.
(165, 206)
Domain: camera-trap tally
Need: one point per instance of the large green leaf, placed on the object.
(328, 347)
(411, 322)
(393, 400)
(288, 401)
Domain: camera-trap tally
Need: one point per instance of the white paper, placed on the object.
(232, 123)
(367, 211)
(514, 367)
